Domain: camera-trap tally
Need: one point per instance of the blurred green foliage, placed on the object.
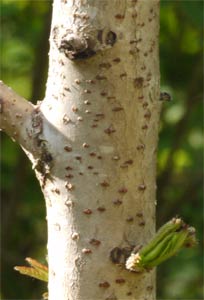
(181, 139)
(24, 48)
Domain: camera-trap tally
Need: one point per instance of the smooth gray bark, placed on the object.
(95, 146)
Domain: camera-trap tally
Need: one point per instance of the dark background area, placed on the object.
(25, 27)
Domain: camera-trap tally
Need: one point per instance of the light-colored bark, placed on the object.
(15, 115)
(98, 139)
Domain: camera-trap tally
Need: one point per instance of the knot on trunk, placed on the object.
(78, 45)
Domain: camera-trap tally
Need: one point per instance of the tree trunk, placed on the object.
(93, 142)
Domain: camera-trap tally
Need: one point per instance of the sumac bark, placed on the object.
(93, 143)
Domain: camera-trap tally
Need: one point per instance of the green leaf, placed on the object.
(168, 241)
(37, 270)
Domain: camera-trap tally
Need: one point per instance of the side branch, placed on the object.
(16, 117)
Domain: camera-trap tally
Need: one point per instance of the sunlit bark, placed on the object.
(94, 140)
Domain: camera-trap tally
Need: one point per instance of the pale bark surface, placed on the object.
(95, 145)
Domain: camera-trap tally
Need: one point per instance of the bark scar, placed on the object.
(77, 45)
(76, 48)
(119, 255)
(43, 164)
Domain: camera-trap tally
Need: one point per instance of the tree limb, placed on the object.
(17, 118)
